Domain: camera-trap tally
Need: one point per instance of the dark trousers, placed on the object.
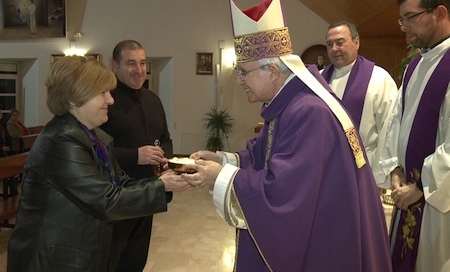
(130, 243)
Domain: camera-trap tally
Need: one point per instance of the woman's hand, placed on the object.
(174, 182)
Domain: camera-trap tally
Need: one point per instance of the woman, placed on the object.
(15, 130)
(73, 189)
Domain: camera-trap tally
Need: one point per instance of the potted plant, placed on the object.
(220, 124)
(412, 53)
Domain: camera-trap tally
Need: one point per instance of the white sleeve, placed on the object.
(225, 199)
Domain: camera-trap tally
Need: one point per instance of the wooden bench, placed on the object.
(10, 167)
(27, 141)
(35, 130)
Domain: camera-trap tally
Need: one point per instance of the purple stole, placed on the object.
(356, 88)
(421, 143)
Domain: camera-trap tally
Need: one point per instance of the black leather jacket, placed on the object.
(69, 203)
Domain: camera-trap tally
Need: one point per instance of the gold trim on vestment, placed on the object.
(236, 217)
(352, 138)
(296, 65)
(263, 44)
(269, 141)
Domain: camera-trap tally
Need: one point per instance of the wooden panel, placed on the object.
(27, 141)
(35, 130)
(12, 165)
(371, 17)
(8, 209)
(386, 52)
(383, 24)
(355, 11)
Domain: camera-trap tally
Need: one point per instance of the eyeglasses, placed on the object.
(412, 16)
(242, 73)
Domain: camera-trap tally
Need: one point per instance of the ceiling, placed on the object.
(373, 18)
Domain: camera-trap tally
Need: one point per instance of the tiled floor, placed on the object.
(190, 237)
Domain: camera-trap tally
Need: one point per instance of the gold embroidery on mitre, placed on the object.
(263, 44)
(352, 138)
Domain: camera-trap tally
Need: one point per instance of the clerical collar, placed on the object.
(339, 72)
(426, 49)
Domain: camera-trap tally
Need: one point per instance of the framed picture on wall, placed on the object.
(33, 19)
(54, 58)
(97, 57)
(204, 63)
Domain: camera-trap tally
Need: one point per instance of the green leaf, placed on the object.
(219, 124)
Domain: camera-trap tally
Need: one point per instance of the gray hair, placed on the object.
(277, 61)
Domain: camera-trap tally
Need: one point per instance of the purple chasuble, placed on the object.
(356, 88)
(311, 209)
(421, 143)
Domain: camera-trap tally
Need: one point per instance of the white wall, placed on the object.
(30, 101)
(176, 29)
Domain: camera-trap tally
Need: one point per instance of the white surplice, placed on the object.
(434, 244)
(380, 96)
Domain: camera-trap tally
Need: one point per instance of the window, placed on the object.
(8, 86)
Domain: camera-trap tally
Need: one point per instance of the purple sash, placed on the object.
(422, 138)
(356, 88)
(421, 143)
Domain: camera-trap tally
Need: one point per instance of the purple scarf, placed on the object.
(356, 88)
(421, 143)
(422, 138)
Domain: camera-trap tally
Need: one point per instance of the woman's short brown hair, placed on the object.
(76, 80)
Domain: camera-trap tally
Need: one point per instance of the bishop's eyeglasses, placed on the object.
(242, 73)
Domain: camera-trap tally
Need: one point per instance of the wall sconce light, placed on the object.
(73, 50)
(230, 58)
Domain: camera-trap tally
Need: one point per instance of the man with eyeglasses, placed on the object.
(366, 90)
(301, 195)
(417, 153)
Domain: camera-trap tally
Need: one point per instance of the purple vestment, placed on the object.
(356, 87)
(312, 209)
(421, 143)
